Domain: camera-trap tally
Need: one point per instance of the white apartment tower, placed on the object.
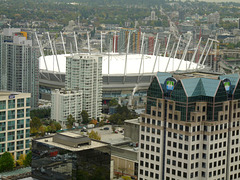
(84, 72)
(64, 103)
(190, 129)
(19, 65)
(14, 123)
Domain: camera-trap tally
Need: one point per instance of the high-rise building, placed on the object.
(70, 156)
(84, 72)
(190, 129)
(19, 66)
(134, 42)
(14, 123)
(65, 103)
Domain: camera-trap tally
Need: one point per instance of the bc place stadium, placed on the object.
(125, 75)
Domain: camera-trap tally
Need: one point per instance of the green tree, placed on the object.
(6, 162)
(85, 117)
(70, 121)
(28, 159)
(94, 135)
(113, 102)
(35, 123)
(101, 123)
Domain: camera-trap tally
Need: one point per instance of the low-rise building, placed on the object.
(14, 123)
(70, 156)
(64, 103)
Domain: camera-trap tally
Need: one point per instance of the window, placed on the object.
(2, 104)
(11, 125)
(11, 104)
(2, 137)
(20, 134)
(20, 124)
(3, 115)
(20, 102)
(203, 108)
(11, 114)
(27, 101)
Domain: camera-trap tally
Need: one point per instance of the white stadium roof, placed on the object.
(116, 63)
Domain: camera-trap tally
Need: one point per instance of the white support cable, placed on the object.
(51, 48)
(170, 56)
(75, 39)
(54, 46)
(64, 49)
(101, 42)
(199, 61)
(157, 55)
(89, 48)
(41, 50)
(50, 43)
(141, 62)
(156, 40)
(185, 52)
(125, 67)
(195, 53)
(169, 37)
(207, 53)
(115, 38)
(143, 36)
(179, 40)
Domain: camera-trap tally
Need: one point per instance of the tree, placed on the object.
(113, 102)
(101, 123)
(35, 123)
(85, 117)
(94, 135)
(6, 162)
(28, 160)
(70, 121)
(42, 130)
(21, 159)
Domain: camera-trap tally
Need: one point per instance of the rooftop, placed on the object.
(71, 138)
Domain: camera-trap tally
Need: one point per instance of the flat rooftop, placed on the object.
(49, 141)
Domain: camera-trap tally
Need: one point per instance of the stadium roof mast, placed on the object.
(157, 55)
(165, 53)
(179, 40)
(142, 63)
(142, 46)
(89, 48)
(101, 42)
(51, 47)
(127, 50)
(115, 41)
(185, 52)
(63, 43)
(155, 45)
(55, 52)
(75, 39)
(195, 53)
(199, 61)
(41, 51)
(170, 56)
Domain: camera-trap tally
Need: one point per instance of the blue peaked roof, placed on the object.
(200, 86)
(233, 78)
(162, 76)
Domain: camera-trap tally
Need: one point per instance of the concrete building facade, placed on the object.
(19, 65)
(65, 103)
(14, 123)
(84, 72)
(191, 129)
